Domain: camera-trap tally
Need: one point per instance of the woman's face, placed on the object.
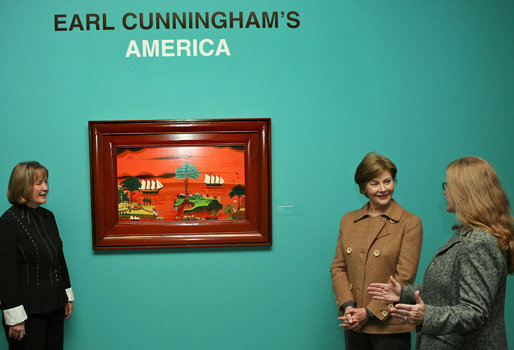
(380, 191)
(450, 204)
(39, 192)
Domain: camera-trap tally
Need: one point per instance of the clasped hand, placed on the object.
(354, 318)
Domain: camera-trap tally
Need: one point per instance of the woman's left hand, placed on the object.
(354, 319)
(68, 309)
(408, 313)
(17, 331)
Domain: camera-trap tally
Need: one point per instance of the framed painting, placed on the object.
(180, 183)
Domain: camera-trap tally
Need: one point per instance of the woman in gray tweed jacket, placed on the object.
(460, 304)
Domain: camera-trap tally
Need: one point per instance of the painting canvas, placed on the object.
(181, 183)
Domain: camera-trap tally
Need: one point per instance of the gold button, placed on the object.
(390, 306)
(376, 252)
(384, 313)
(349, 250)
(351, 286)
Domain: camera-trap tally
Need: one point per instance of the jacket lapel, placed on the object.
(457, 238)
(392, 215)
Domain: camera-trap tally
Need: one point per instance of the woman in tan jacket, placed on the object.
(376, 241)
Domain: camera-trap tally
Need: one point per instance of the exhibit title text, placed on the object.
(218, 20)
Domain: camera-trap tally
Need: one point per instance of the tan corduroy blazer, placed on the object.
(370, 249)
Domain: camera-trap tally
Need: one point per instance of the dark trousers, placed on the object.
(364, 341)
(43, 332)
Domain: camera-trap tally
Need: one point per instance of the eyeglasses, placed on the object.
(445, 186)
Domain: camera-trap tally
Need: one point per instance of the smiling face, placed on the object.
(380, 192)
(39, 192)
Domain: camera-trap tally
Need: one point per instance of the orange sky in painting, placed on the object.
(224, 161)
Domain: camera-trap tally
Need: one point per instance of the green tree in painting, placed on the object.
(229, 209)
(131, 184)
(185, 172)
(121, 192)
(238, 191)
(214, 207)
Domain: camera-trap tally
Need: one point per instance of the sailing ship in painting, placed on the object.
(151, 186)
(175, 189)
(213, 180)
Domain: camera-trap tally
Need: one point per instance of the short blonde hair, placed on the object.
(23, 178)
(371, 166)
(480, 201)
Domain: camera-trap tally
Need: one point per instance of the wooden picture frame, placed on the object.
(127, 159)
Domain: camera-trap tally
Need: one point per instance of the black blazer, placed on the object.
(33, 271)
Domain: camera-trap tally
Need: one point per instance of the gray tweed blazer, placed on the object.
(464, 294)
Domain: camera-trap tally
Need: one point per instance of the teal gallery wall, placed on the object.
(421, 82)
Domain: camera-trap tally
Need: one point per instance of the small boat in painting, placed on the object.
(213, 180)
(151, 186)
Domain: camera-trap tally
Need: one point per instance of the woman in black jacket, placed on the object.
(35, 289)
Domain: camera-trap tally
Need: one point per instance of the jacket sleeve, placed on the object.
(482, 271)
(407, 264)
(66, 278)
(64, 266)
(10, 292)
(407, 295)
(339, 273)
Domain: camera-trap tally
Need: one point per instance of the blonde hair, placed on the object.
(371, 166)
(23, 177)
(480, 201)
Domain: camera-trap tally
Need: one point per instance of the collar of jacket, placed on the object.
(457, 237)
(464, 230)
(393, 213)
(24, 212)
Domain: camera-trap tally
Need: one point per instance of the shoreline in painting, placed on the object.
(163, 205)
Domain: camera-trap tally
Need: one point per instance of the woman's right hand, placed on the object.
(386, 291)
(17, 331)
(354, 318)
